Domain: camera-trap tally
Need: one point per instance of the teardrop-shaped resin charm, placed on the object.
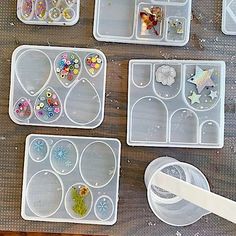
(82, 104)
(41, 8)
(93, 64)
(23, 109)
(67, 66)
(27, 9)
(48, 106)
(33, 70)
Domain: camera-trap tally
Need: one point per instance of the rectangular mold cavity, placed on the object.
(116, 18)
(57, 87)
(156, 33)
(71, 179)
(48, 12)
(121, 22)
(172, 110)
(229, 17)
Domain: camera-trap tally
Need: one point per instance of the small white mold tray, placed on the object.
(229, 17)
(48, 12)
(56, 86)
(174, 103)
(71, 179)
(164, 22)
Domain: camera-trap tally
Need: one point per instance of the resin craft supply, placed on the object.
(143, 21)
(22, 109)
(68, 67)
(94, 64)
(150, 19)
(48, 12)
(190, 196)
(229, 17)
(79, 197)
(71, 179)
(54, 86)
(202, 79)
(166, 75)
(174, 103)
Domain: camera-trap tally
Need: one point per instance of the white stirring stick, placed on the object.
(212, 202)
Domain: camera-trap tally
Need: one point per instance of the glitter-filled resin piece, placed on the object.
(176, 103)
(53, 86)
(229, 17)
(165, 22)
(49, 12)
(60, 176)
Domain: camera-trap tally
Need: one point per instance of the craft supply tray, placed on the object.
(120, 21)
(48, 12)
(229, 17)
(174, 103)
(71, 179)
(56, 86)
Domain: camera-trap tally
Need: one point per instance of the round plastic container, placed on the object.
(168, 207)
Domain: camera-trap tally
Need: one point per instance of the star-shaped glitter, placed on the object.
(202, 79)
(194, 98)
(213, 95)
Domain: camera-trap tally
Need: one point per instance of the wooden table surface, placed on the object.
(134, 215)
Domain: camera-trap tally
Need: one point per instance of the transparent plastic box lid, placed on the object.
(48, 12)
(174, 103)
(71, 179)
(229, 17)
(164, 22)
(57, 86)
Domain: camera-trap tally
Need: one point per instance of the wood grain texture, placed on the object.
(134, 215)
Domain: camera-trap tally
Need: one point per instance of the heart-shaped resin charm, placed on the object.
(23, 109)
(48, 106)
(67, 66)
(93, 64)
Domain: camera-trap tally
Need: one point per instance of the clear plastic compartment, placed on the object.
(71, 179)
(176, 103)
(53, 86)
(229, 17)
(49, 12)
(164, 22)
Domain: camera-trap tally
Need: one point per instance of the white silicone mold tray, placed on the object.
(48, 12)
(229, 17)
(54, 86)
(176, 103)
(71, 179)
(164, 22)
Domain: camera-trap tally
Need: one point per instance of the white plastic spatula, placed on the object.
(212, 202)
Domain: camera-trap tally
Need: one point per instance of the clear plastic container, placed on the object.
(168, 207)
(71, 179)
(174, 103)
(164, 22)
(48, 12)
(229, 17)
(57, 86)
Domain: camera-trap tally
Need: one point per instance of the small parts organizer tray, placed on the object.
(48, 12)
(54, 86)
(71, 179)
(229, 17)
(164, 22)
(176, 103)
